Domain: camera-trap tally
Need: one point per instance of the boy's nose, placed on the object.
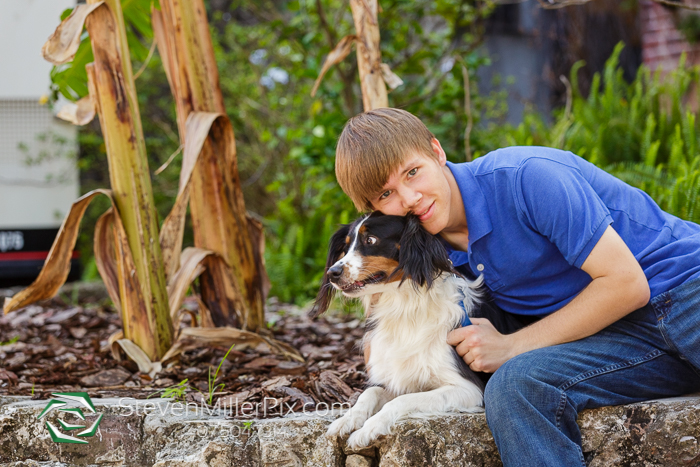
(411, 199)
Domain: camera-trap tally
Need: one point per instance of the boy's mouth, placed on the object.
(425, 215)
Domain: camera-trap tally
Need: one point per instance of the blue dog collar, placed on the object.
(465, 319)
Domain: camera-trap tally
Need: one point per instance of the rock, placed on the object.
(664, 432)
(113, 377)
(297, 442)
(443, 442)
(355, 460)
(159, 432)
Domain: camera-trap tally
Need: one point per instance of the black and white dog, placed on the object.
(413, 372)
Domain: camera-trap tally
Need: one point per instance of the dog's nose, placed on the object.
(335, 272)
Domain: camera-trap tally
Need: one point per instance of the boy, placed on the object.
(616, 311)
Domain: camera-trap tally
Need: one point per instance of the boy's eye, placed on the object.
(385, 194)
(413, 171)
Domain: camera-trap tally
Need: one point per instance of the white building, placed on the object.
(38, 170)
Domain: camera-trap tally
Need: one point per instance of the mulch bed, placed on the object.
(56, 346)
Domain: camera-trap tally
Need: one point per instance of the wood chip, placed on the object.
(111, 377)
(275, 383)
(78, 333)
(261, 362)
(289, 368)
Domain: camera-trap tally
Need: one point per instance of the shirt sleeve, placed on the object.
(559, 203)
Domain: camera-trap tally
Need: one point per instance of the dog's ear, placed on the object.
(422, 257)
(325, 294)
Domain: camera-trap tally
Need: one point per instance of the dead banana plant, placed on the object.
(375, 76)
(234, 284)
(145, 273)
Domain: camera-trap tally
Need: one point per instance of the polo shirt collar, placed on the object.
(475, 206)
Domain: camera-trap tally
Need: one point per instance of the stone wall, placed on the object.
(157, 432)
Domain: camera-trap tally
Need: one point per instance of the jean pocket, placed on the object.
(662, 305)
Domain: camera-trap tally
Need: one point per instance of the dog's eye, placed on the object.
(371, 240)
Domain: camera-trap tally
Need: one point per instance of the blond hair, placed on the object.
(372, 147)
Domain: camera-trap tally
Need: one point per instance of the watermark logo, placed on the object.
(71, 403)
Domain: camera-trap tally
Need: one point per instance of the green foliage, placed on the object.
(11, 341)
(642, 132)
(269, 54)
(689, 26)
(286, 139)
(211, 380)
(177, 391)
(70, 79)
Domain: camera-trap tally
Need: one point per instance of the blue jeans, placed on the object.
(533, 400)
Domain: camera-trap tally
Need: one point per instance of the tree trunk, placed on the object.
(369, 56)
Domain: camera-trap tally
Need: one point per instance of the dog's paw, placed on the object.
(370, 431)
(349, 422)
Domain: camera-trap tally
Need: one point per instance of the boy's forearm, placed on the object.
(604, 301)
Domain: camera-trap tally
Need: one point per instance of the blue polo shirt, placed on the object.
(534, 214)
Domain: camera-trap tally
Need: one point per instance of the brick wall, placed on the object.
(662, 43)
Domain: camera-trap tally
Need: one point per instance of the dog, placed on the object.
(413, 372)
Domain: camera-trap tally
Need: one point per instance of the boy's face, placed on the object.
(420, 187)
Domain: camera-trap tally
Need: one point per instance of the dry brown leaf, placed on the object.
(206, 320)
(390, 78)
(257, 236)
(114, 346)
(198, 126)
(105, 258)
(79, 113)
(62, 45)
(191, 267)
(336, 56)
(135, 353)
(172, 231)
(57, 265)
(197, 129)
(193, 338)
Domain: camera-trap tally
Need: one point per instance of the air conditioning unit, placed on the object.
(38, 169)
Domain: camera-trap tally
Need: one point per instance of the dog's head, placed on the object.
(376, 250)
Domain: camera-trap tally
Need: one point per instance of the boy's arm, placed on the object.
(619, 287)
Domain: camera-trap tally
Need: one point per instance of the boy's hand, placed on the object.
(481, 346)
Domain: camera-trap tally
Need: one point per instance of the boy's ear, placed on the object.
(325, 294)
(422, 257)
(439, 152)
